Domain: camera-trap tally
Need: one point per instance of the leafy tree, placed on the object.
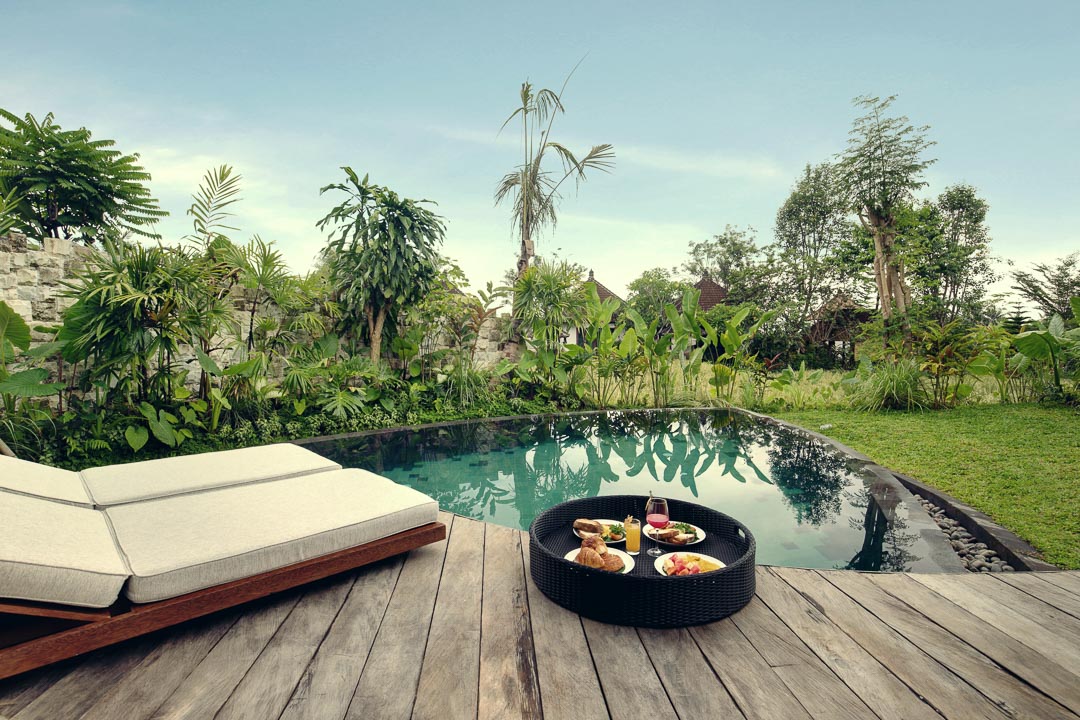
(533, 189)
(810, 226)
(733, 260)
(947, 245)
(652, 290)
(382, 253)
(1049, 287)
(69, 185)
(879, 172)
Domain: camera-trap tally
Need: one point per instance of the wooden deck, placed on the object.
(456, 630)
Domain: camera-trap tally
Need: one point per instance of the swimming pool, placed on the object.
(807, 503)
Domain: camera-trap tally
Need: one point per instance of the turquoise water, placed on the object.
(807, 504)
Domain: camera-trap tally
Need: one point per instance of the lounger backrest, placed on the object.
(28, 478)
(134, 482)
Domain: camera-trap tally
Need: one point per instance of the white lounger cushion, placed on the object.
(57, 553)
(116, 484)
(30, 478)
(180, 544)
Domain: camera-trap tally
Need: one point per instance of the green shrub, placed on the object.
(888, 385)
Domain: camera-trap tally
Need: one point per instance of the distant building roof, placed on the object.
(602, 292)
(711, 294)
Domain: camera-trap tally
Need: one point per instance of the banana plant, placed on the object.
(656, 349)
(795, 382)
(735, 344)
(1051, 343)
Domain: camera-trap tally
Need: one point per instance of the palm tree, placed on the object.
(535, 191)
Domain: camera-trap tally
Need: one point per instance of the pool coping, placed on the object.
(1020, 554)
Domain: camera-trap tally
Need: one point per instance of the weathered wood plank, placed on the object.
(450, 673)
(1030, 605)
(142, 690)
(950, 695)
(820, 691)
(79, 689)
(18, 692)
(1013, 696)
(508, 686)
(265, 690)
(1049, 593)
(1016, 657)
(209, 685)
(631, 685)
(569, 685)
(754, 685)
(328, 683)
(1062, 645)
(691, 685)
(1069, 580)
(387, 687)
(868, 678)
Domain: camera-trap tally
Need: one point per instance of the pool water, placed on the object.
(807, 504)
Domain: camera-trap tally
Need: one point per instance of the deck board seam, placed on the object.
(1005, 668)
(933, 661)
(734, 700)
(989, 660)
(596, 670)
(194, 666)
(318, 645)
(659, 677)
(374, 636)
(431, 619)
(826, 663)
(255, 660)
(528, 618)
(1027, 591)
(480, 634)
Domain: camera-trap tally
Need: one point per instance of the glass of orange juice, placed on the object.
(633, 535)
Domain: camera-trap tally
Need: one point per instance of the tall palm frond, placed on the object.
(219, 189)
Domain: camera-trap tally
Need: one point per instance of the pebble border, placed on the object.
(976, 556)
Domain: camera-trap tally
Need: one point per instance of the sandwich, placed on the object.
(584, 525)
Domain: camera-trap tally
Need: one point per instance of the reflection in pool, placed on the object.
(807, 504)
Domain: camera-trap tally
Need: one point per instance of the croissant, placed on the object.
(596, 543)
(613, 563)
(589, 557)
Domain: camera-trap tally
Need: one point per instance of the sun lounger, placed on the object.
(93, 558)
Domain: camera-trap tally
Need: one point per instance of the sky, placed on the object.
(713, 108)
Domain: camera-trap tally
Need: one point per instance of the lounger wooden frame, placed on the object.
(123, 621)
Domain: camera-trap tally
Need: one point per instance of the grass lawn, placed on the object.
(1020, 464)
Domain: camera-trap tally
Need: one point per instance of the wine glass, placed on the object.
(656, 514)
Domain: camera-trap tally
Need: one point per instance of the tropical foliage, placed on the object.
(63, 183)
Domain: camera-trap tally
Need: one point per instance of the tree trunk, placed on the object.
(376, 334)
(888, 271)
(528, 249)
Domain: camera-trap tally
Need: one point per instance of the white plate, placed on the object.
(603, 522)
(628, 562)
(700, 535)
(659, 564)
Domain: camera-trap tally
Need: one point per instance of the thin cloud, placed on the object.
(708, 164)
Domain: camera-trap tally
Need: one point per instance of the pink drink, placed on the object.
(657, 521)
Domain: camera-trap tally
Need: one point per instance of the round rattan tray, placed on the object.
(643, 597)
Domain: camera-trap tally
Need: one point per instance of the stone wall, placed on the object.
(31, 273)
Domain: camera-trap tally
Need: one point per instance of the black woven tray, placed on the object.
(643, 597)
